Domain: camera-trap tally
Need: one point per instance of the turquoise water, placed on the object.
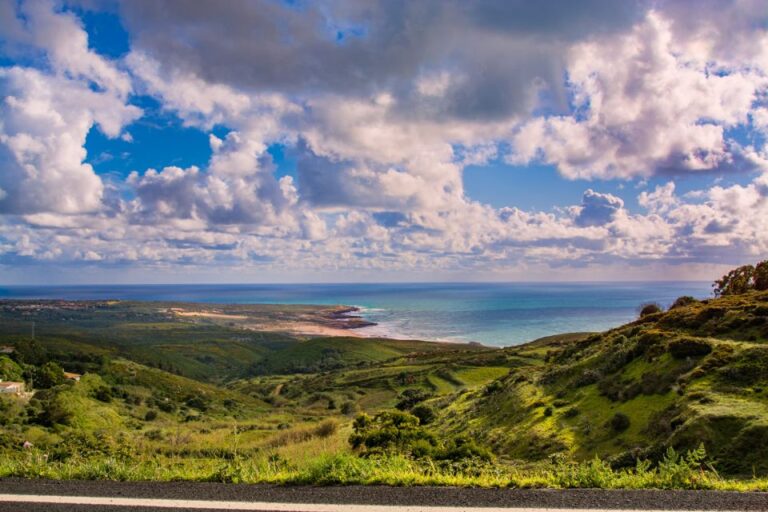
(499, 314)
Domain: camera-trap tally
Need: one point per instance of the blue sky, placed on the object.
(270, 141)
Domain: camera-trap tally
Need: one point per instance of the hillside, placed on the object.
(462, 414)
(209, 342)
(695, 374)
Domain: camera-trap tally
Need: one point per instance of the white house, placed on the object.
(11, 388)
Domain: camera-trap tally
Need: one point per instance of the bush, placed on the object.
(348, 407)
(103, 394)
(389, 431)
(685, 300)
(649, 309)
(571, 412)
(49, 375)
(9, 369)
(289, 436)
(411, 397)
(326, 429)
(689, 347)
(151, 415)
(492, 388)
(425, 414)
(165, 405)
(462, 448)
(197, 402)
(620, 422)
(750, 367)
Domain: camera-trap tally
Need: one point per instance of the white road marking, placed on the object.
(264, 506)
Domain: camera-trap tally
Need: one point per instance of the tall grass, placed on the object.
(674, 472)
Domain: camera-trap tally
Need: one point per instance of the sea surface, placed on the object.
(499, 314)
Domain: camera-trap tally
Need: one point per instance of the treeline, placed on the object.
(743, 279)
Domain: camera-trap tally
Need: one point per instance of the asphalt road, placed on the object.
(177, 496)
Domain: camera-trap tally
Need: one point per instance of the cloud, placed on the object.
(496, 49)
(47, 114)
(642, 106)
(31, 27)
(597, 209)
(45, 120)
(383, 105)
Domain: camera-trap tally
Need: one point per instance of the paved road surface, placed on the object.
(58, 496)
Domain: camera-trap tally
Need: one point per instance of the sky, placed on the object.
(167, 141)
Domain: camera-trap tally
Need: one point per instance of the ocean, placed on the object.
(498, 314)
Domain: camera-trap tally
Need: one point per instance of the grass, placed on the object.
(480, 375)
(331, 468)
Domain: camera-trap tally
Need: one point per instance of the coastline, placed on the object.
(500, 315)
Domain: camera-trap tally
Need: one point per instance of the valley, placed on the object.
(178, 391)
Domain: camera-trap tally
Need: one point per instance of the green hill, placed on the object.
(695, 374)
(231, 404)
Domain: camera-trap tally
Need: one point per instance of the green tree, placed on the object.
(49, 375)
(761, 276)
(737, 281)
(9, 370)
(389, 431)
(30, 352)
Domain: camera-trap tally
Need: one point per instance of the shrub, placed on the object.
(49, 375)
(348, 407)
(197, 402)
(461, 448)
(389, 431)
(425, 414)
(165, 405)
(685, 300)
(289, 436)
(103, 394)
(587, 377)
(493, 387)
(326, 429)
(154, 435)
(411, 397)
(620, 422)
(689, 347)
(9, 369)
(750, 367)
(571, 412)
(151, 415)
(649, 309)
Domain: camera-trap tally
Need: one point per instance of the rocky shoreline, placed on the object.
(344, 318)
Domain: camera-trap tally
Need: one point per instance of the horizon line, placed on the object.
(299, 283)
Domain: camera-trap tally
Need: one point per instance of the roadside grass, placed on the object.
(675, 472)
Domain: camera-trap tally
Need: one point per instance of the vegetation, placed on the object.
(743, 279)
(675, 399)
(650, 309)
